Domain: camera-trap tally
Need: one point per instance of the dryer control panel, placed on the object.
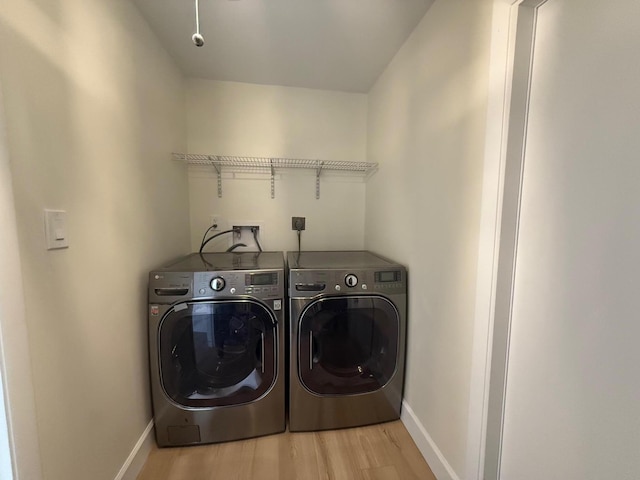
(308, 283)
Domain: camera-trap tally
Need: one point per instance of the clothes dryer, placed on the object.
(216, 345)
(347, 336)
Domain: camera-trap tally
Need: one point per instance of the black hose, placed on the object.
(255, 237)
(234, 246)
(215, 236)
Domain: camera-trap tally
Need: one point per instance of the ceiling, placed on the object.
(325, 44)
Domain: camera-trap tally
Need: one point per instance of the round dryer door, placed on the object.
(348, 345)
(216, 353)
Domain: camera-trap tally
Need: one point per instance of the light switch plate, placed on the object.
(55, 225)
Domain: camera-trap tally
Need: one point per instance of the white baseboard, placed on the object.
(138, 456)
(434, 457)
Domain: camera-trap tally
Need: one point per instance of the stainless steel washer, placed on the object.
(216, 345)
(347, 337)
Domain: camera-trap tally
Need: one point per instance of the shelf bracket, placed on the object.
(273, 185)
(219, 172)
(319, 165)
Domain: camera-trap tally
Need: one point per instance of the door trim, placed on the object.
(15, 359)
(513, 35)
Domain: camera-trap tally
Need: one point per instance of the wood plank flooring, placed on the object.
(377, 452)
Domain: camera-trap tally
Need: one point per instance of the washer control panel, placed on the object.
(260, 284)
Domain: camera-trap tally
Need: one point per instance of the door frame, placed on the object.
(15, 359)
(512, 47)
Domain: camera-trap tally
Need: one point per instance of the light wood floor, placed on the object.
(377, 452)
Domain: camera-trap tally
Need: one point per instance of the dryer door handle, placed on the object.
(310, 287)
(310, 350)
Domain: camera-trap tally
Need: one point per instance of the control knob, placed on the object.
(351, 280)
(217, 284)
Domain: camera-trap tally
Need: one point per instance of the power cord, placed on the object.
(298, 224)
(212, 227)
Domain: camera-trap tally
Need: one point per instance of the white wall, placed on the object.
(94, 107)
(229, 118)
(426, 128)
(573, 389)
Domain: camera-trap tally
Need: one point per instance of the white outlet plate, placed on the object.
(216, 219)
(56, 234)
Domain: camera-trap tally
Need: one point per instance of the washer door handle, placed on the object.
(262, 351)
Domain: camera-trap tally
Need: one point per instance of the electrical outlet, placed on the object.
(297, 223)
(215, 220)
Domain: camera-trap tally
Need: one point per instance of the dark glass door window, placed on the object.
(348, 345)
(217, 353)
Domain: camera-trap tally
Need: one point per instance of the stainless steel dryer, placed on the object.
(347, 336)
(216, 345)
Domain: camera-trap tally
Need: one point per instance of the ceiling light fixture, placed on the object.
(198, 39)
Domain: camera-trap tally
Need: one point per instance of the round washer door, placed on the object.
(348, 345)
(215, 353)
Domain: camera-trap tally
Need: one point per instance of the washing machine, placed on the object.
(347, 316)
(216, 345)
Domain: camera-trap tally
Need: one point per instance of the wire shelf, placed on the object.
(225, 163)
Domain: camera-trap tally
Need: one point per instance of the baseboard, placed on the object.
(138, 456)
(434, 457)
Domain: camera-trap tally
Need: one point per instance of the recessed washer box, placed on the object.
(245, 236)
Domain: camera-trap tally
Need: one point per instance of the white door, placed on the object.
(572, 404)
